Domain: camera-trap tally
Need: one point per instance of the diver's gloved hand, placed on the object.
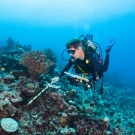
(55, 79)
(110, 44)
(89, 37)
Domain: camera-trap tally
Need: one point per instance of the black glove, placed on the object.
(89, 37)
(110, 44)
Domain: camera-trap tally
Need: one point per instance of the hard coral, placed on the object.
(36, 62)
(50, 55)
(9, 125)
(8, 79)
(6, 108)
(67, 131)
(27, 86)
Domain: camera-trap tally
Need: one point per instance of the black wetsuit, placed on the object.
(88, 67)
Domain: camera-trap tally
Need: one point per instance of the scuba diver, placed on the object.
(86, 60)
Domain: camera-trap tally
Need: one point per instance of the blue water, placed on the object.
(56, 27)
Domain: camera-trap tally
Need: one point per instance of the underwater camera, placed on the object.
(75, 81)
(72, 80)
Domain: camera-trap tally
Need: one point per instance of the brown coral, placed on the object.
(36, 62)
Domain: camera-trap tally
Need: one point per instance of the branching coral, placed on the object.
(36, 62)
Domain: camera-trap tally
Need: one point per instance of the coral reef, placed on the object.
(55, 112)
(19, 60)
(64, 110)
(51, 113)
(10, 55)
(12, 45)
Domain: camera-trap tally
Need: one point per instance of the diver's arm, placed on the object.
(68, 66)
(106, 63)
(108, 49)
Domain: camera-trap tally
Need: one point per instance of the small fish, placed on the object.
(11, 72)
(2, 69)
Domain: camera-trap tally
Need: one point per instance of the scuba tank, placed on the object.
(87, 41)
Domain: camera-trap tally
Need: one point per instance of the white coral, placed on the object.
(9, 124)
(67, 130)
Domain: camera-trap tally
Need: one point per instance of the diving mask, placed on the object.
(72, 52)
